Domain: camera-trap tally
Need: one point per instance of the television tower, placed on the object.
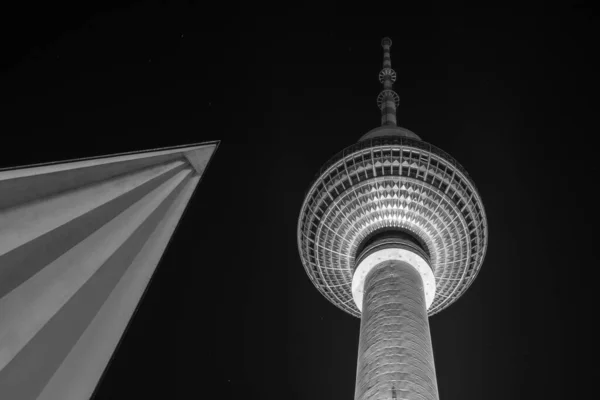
(392, 231)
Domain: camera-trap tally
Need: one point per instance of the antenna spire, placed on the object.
(388, 100)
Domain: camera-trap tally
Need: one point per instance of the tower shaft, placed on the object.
(395, 356)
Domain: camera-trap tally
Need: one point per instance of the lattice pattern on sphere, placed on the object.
(392, 182)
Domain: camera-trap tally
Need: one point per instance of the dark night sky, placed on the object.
(230, 310)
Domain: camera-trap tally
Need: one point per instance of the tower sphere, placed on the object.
(390, 180)
(386, 41)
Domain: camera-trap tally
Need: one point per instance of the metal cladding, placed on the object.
(79, 242)
(395, 353)
(392, 182)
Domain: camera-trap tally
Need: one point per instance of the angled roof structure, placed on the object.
(79, 242)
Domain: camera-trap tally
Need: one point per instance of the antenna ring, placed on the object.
(384, 94)
(387, 72)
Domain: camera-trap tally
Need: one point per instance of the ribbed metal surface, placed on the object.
(395, 357)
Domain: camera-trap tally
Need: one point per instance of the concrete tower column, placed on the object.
(395, 356)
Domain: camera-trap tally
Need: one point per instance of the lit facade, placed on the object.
(392, 231)
(79, 242)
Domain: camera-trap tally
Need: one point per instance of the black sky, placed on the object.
(230, 312)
